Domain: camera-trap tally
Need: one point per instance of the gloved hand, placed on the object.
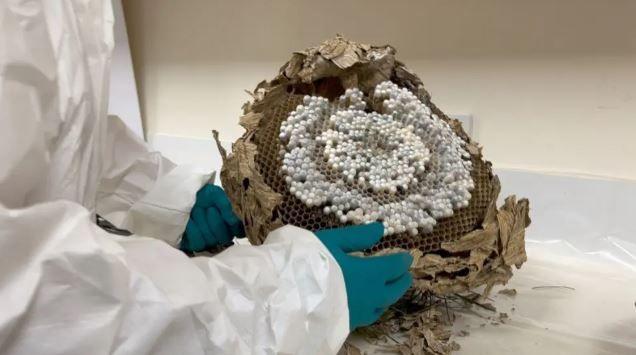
(212, 222)
(372, 283)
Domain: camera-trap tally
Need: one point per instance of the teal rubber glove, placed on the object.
(212, 222)
(373, 283)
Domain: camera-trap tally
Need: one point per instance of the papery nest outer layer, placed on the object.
(473, 248)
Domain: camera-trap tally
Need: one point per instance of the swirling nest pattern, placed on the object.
(386, 157)
(291, 210)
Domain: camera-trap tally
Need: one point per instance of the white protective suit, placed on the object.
(68, 287)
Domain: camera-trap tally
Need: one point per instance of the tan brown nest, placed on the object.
(476, 246)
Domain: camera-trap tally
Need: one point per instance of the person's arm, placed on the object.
(142, 191)
(68, 287)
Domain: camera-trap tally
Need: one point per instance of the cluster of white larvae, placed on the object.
(403, 165)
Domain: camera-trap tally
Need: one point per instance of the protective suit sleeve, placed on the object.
(68, 287)
(142, 191)
(285, 297)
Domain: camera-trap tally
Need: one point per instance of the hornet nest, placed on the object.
(346, 134)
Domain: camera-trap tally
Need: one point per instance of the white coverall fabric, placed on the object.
(68, 287)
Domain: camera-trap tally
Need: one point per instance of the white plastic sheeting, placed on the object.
(594, 215)
(567, 302)
(576, 294)
(582, 238)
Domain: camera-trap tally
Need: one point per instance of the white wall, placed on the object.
(570, 114)
(551, 85)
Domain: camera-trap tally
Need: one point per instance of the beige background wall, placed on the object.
(551, 84)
